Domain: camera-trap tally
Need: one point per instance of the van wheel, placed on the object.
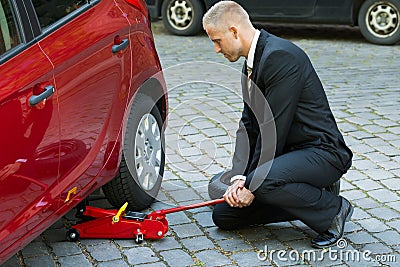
(379, 21)
(182, 17)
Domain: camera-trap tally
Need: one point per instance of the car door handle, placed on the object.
(35, 99)
(118, 47)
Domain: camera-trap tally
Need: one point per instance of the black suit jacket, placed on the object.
(286, 109)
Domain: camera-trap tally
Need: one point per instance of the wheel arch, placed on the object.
(356, 9)
(155, 89)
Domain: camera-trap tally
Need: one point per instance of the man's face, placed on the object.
(225, 42)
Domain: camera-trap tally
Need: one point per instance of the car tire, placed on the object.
(142, 165)
(182, 17)
(221, 181)
(379, 21)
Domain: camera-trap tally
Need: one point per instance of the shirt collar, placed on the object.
(252, 51)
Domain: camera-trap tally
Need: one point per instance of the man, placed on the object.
(284, 103)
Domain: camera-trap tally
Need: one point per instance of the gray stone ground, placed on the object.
(362, 84)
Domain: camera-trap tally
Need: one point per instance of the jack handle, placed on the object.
(188, 207)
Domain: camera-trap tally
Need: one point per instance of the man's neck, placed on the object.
(248, 40)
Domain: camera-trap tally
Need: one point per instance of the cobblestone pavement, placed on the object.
(362, 84)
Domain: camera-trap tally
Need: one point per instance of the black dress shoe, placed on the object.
(335, 231)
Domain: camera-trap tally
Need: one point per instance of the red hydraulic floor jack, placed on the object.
(116, 224)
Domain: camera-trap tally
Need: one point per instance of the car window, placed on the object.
(50, 11)
(9, 35)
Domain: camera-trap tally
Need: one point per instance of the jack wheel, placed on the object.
(139, 239)
(73, 235)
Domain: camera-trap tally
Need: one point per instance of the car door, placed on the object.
(89, 46)
(279, 8)
(29, 120)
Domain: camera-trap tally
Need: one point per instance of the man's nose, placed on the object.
(217, 48)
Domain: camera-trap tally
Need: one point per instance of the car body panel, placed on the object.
(93, 84)
(27, 133)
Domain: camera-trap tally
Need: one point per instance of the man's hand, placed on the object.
(238, 196)
(246, 197)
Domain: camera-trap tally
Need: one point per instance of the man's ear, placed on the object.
(234, 31)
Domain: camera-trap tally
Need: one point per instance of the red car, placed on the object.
(82, 106)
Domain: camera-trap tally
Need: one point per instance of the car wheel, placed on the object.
(182, 17)
(142, 166)
(379, 21)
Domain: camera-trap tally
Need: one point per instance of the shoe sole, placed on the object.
(348, 217)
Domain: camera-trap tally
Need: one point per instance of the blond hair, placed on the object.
(217, 14)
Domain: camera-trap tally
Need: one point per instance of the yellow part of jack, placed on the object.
(70, 192)
(115, 218)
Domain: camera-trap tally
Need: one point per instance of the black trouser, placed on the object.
(292, 190)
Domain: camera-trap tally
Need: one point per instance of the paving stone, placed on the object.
(377, 248)
(378, 174)
(354, 175)
(256, 233)
(288, 234)
(74, 261)
(140, 255)
(383, 195)
(249, 259)
(204, 219)
(373, 225)
(177, 218)
(366, 203)
(394, 205)
(395, 224)
(389, 237)
(234, 245)
(361, 238)
(187, 230)
(104, 252)
(42, 261)
(165, 243)
(219, 234)
(392, 184)
(367, 185)
(35, 249)
(12, 262)
(155, 264)
(185, 194)
(384, 213)
(126, 243)
(198, 243)
(177, 258)
(212, 258)
(66, 248)
(350, 227)
(113, 263)
(55, 235)
(353, 194)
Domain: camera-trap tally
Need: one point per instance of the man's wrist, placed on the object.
(237, 177)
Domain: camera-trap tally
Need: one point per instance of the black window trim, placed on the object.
(29, 26)
(43, 32)
(24, 30)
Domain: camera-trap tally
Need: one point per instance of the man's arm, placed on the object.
(282, 80)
